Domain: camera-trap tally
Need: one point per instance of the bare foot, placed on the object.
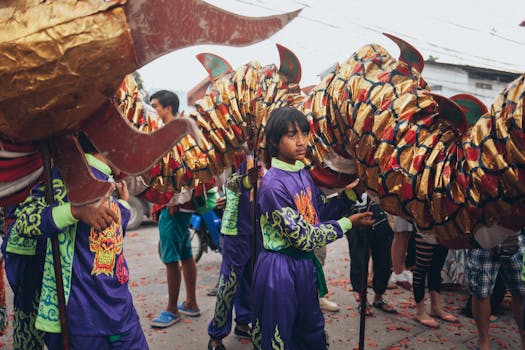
(445, 316)
(426, 320)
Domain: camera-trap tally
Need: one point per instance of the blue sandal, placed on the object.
(187, 311)
(165, 319)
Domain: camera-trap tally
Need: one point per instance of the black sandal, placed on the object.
(384, 306)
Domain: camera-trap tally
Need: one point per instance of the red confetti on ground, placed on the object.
(502, 344)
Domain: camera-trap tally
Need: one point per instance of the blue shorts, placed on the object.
(175, 240)
(482, 266)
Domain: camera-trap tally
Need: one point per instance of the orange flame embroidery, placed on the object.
(305, 207)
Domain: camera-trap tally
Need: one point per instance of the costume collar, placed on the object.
(98, 164)
(279, 164)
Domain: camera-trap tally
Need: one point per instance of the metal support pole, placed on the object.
(254, 218)
(57, 264)
(363, 293)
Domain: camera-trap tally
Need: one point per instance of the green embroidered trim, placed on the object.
(231, 213)
(277, 342)
(345, 223)
(256, 336)
(27, 224)
(98, 164)
(25, 335)
(350, 194)
(3, 319)
(234, 183)
(279, 164)
(299, 233)
(272, 239)
(62, 215)
(48, 318)
(20, 245)
(124, 203)
(225, 296)
(246, 182)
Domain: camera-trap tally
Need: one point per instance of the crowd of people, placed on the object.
(273, 251)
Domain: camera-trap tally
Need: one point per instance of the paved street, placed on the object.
(147, 280)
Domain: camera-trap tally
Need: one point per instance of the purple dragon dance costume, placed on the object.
(287, 273)
(236, 273)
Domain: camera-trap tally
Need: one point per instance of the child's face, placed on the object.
(292, 145)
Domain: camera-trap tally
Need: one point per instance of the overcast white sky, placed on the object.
(482, 33)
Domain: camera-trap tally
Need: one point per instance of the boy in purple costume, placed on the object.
(288, 278)
(236, 272)
(99, 306)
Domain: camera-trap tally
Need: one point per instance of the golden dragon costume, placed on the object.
(63, 60)
(412, 148)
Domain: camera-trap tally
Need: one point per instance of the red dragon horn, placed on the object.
(197, 92)
(307, 89)
(215, 65)
(290, 65)
(471, 106)
(132, 151)
(408, 53)
(451, 111)
(162, 26)
(83, 187)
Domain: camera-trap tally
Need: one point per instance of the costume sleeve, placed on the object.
(35, 218)
(279, 216)
(336, 206)
(238, 183)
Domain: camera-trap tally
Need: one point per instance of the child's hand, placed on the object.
(95, 214)
(253, 174)
(361, 219)
(122, 190)
(155, 217)
(221, 203)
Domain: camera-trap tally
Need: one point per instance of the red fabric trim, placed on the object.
(14, 168)
(16, 197)
(18, 147)
(199, 190)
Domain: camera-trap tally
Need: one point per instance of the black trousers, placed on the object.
(380, 238)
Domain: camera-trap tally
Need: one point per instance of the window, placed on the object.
(484, 86)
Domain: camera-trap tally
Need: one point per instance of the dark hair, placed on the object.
(86, 144)
(278, 124)
(167, 98)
